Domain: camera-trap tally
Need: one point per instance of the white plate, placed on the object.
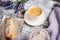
(40, 20)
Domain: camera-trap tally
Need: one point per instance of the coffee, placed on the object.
(35, 11)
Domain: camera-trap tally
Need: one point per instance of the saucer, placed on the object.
(40, 19)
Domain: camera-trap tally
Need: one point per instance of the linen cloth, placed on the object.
(53, 28)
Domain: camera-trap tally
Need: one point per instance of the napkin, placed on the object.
(54, 26)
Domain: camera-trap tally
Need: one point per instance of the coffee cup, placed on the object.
(34, 12)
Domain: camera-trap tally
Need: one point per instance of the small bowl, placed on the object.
(39, 34)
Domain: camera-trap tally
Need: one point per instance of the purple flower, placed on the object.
(3, 3)
(20, 7)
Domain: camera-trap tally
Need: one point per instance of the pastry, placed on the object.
(12, 27)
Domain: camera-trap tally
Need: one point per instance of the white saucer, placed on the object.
(40, 20)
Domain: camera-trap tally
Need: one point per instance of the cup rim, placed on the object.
(36, 6)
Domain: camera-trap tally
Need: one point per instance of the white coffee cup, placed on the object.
(34, 12)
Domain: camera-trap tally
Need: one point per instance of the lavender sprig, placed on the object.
(19, 8)
(4, 4)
